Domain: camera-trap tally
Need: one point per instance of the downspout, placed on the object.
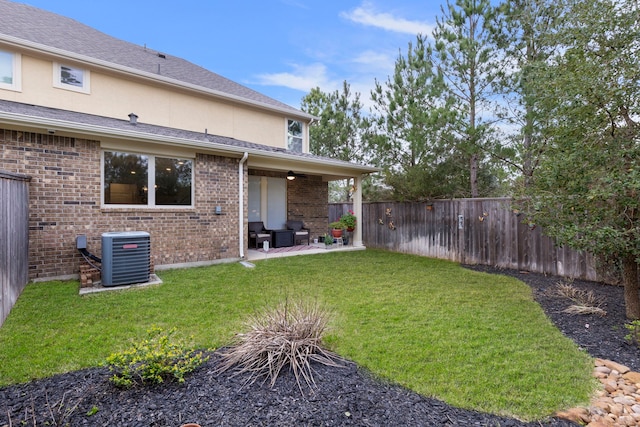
(241, 203)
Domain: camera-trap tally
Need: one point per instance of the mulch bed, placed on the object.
(344, 396)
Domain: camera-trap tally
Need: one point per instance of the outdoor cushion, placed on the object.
(299, 230)
(258, 234)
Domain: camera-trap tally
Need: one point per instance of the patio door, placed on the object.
(268, 201)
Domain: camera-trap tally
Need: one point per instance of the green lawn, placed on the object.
(474, 340)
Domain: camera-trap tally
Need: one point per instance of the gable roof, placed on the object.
(37, 29)
(70, 122)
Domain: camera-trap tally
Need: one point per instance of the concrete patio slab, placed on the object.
(311, 249)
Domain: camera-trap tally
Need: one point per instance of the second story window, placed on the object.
(71, 78)
(294, 135)
(10, 70)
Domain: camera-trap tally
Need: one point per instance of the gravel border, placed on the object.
(346, 396)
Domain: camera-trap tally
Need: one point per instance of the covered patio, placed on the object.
(295, 187)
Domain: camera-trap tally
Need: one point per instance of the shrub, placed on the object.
(634, 332)
(153, 360)
(290, 334)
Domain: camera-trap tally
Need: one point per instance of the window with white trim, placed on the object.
(71, 78)
(146, 180)
(10, 70)
(294, 135)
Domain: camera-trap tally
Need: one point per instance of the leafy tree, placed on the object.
(339, 131)
(411, 139)
(522, 32)
(586, 192)
(415, 137)
(465, 50)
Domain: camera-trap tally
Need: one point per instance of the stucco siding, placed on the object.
(117, 96)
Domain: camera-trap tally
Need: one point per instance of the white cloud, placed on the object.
(366, 15)
(347, 60)
(374, 63)
(303, 78)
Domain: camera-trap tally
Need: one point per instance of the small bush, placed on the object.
(153, 360)
(634, 332)
(290, 334)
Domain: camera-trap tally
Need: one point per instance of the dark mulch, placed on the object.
(346, 396)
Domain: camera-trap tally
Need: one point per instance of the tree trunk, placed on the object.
(631, 287)
(473, 166)
(527, 167)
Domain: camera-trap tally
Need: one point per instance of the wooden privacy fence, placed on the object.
(469, 231)
(14, 239)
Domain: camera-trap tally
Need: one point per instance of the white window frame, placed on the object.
(57, 78)
(151, 176)
(16, 83)
(288, 135)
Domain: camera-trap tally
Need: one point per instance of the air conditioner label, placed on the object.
(130, 246)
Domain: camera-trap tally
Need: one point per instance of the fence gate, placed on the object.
(14, 239)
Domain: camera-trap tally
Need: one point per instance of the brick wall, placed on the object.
(64, 201)
(307, 200)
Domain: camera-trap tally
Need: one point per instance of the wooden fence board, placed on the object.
(491, 234)
(14, 239)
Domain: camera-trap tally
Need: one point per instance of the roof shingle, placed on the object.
(149, 130)
(49, 29)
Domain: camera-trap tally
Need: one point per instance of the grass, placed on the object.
(474, 340)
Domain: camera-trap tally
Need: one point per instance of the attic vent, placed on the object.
(162, 55)
(133, 118)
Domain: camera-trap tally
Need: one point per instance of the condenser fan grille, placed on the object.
(126, 258)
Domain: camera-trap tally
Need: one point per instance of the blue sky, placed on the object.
(281, 48)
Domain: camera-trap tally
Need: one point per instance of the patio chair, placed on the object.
(258, 234)
(299, 231)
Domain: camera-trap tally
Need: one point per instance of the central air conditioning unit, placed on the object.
(126, 258)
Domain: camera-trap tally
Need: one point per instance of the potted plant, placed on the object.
(328, 240)
(348, 220)
(336, 228)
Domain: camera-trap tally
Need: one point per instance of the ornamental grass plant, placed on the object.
(584, 302)
(288, 336)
